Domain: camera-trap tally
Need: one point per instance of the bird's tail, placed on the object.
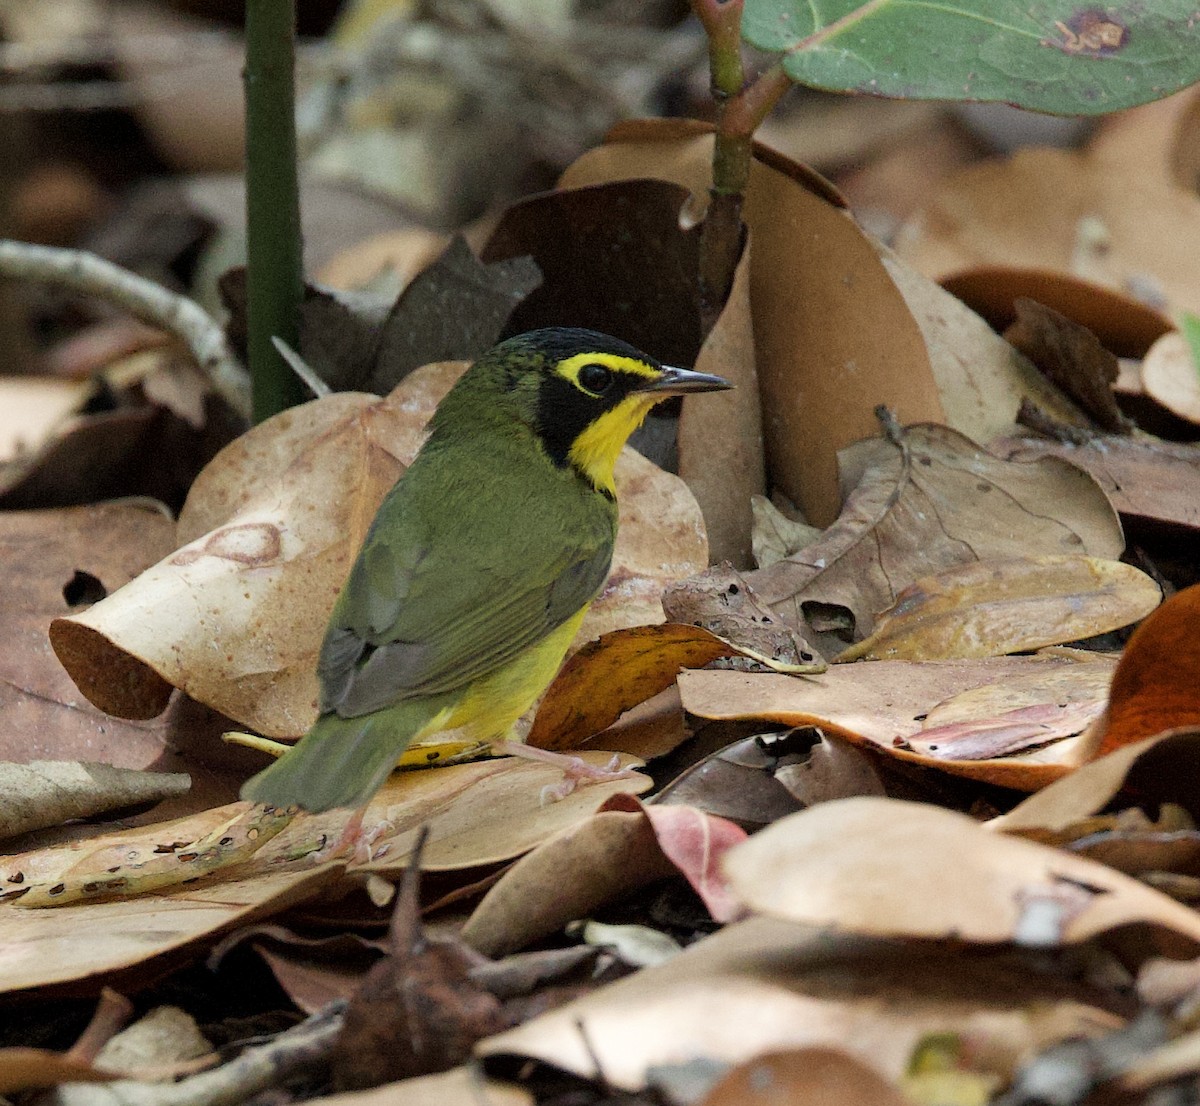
(340, 761)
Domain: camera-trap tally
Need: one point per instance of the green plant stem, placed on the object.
(740, 109)
(275, 267)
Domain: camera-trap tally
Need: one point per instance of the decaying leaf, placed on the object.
(886, 704)
(722, 601)
(1027, 210)
(610, 854)
(455, 309)
(997, 720)
(47, 793)
(931, 501)
(827, 1076)
(987, 608)
(1072, 357)
(1124, 325)
(615, 672)
(981, 378)
(764, 984)
(1145, 480)
(852, 865)
(478, 814)
(1170, 375)
(775, 535)
(418, 1011)
(1154, 687)
(60, 558)
(724, 482)
(614, 258)
(1157, 770)
(235, 616)
(26, 1069)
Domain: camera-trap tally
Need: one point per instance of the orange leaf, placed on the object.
(1155, 687)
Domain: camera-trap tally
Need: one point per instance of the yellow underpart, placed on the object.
(595, 451)
(490, 706)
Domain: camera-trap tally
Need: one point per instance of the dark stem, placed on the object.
(275, 267)
(740, 109)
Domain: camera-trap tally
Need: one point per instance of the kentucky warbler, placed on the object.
(478, 569)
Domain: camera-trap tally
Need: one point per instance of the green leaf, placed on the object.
(1190, 325)
(1048, 55)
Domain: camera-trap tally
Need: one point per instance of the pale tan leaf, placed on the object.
(764, 984)
(934, 501)
(852, 865)
(988, 608)
(733, 418)
(886, 704)
(1171, 376)
(1160, 768)
(49, 792)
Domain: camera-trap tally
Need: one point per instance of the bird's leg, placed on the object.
(354, 842)
(576, 771)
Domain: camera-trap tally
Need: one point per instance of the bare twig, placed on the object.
(90, 275)
(305, 1046)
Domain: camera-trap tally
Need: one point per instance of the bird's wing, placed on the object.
(431, 606)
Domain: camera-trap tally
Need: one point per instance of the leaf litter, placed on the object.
(838, 842)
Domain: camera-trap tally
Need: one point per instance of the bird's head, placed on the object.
(582, 393)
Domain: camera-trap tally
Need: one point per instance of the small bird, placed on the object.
(480, 564)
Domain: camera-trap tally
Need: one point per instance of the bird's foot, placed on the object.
(576, 771)
(355, 843)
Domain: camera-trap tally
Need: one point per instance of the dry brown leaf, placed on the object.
(268, 564)
(400, 254)
(775, 535)
(721, 601)
(116, 939)
(1000, 719)
(1154, 687)
(478, 814)
(988, 608)
(763, 984)
(1171, 376)
(591, 863)
(50, 559)
(49, 792)
(981, 378)
(1158, 769)
(1072, 357)
(1156, 137)
(33, 408)
(721, 441)
(24, 1069)
(465, 1086)
(614, 673)
(813, 1076)
(1145, 480)
(886, 704)
(1038, 208)
(853, 865)
(935, 501)
(819, 381)
(1124, 325)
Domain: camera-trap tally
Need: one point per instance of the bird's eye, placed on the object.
(595, 378)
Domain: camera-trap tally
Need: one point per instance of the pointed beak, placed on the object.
(677, 382)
